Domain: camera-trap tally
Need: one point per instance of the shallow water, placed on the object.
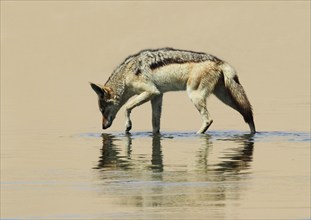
(219, 175)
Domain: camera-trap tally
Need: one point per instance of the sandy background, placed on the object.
(50, 50)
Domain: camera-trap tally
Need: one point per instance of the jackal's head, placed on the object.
(107, 103)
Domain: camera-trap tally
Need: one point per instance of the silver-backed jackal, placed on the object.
(150, 73)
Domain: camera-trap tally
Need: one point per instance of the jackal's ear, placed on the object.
(100, 91)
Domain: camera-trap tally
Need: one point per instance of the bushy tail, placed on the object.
(231, 92)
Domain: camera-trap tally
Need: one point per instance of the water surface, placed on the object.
(219, 175)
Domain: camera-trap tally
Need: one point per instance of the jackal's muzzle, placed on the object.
(106, 123)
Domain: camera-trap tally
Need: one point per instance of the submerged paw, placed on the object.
(128, 126)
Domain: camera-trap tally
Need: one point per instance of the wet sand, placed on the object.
(56, 162)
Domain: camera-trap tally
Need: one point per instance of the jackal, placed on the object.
(150, 73)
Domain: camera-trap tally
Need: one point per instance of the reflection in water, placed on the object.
(236, 159)
(240, 159)
(111, 157)
(157, 158)
(153, 177)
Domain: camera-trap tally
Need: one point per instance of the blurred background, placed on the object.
(51, 50)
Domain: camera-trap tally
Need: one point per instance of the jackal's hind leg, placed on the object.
(199, 101)
(156, 104)
(137, 101)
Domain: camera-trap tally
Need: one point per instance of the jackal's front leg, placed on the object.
(156, 104)
(137, 101)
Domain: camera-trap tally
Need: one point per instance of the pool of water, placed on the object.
(182, 175)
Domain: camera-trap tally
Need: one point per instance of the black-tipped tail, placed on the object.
(241, 102)
(230, 91)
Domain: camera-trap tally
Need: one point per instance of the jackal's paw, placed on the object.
(204, 127)
(128, 126)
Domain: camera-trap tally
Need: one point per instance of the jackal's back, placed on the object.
(147, 62)
(153, 59)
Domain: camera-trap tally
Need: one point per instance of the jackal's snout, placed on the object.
(106, 123)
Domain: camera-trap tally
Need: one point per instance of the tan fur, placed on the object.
(149, 74)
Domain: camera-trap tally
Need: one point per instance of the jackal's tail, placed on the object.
(230, 91)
